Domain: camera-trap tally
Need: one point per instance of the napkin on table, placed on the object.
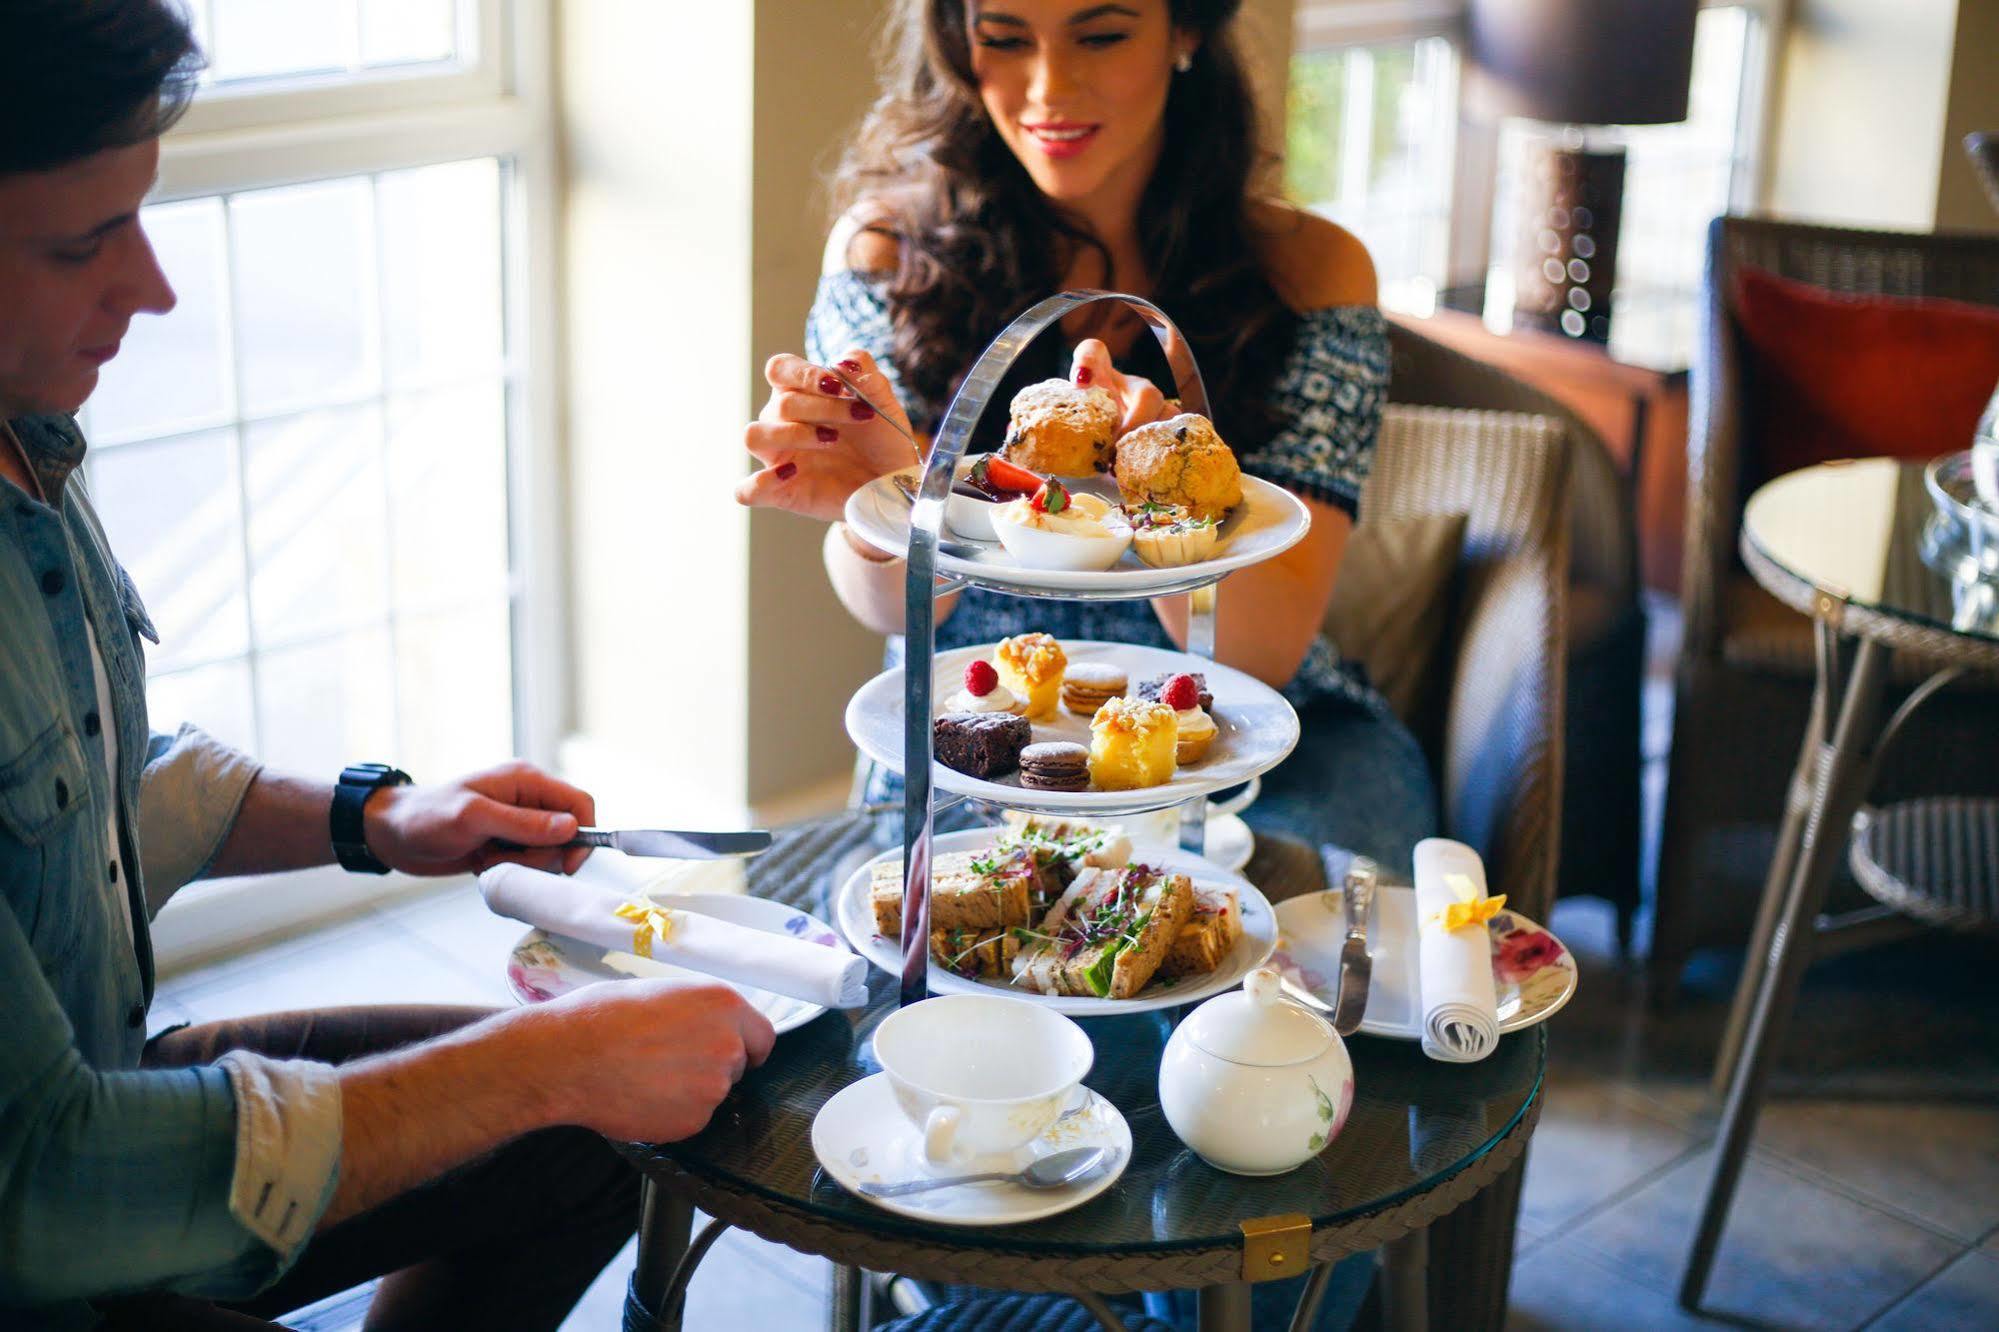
(1460, 1012)
(778, 963)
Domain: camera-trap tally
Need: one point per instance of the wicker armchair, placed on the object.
(1605, 639)
(1500, 766)
(1745, 671)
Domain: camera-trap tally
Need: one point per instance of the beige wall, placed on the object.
(1869, 100)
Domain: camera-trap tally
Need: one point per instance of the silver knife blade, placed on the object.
(676, 844)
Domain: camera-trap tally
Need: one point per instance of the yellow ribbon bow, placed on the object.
(1470, 908)
(651, 922)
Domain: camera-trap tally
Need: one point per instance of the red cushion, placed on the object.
(1838, 376)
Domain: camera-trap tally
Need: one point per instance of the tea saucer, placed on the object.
(1533, 975)
(861, 1137)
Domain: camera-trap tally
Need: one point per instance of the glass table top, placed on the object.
(1872, 533)
(1414, 1121)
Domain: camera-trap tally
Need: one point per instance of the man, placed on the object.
(224, 1174)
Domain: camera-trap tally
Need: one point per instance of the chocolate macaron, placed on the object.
(1055, 765)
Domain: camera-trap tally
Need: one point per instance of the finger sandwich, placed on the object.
(1107, 934)
(969, 890)
(1211, 931)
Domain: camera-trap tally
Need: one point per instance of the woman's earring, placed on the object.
(1183, 62)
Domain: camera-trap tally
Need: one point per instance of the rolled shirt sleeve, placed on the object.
(122, 1181)
(189, 795)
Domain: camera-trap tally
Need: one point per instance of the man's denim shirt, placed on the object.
(111, 1178)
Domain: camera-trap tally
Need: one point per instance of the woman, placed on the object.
(1037, 145)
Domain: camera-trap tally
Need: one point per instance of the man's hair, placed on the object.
(80, 76)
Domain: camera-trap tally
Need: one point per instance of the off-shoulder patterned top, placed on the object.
(1328, 400)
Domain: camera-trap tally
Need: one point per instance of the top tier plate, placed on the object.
(1269, 521)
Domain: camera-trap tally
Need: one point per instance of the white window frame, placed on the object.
(498, 102)
(1321, 24)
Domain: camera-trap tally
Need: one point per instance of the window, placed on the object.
(325, 467)
(1369, 143)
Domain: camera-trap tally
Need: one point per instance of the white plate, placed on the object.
(862, 1137)
(1257, 730)
(1533, 975)
(544, 966)
(856, 920)
(1269, 521)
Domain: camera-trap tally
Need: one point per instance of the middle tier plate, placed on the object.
(1257, 729)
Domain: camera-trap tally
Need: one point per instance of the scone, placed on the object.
(1133, 743)
(1030, 667)
(1061, 429)
(1179, 461)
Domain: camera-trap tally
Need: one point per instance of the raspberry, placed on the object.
(1181, 694)
(980, 679)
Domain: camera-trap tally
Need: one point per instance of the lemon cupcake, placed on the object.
(1030, 668)
(1133, 743)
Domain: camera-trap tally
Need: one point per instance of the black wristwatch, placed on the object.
(357, 783)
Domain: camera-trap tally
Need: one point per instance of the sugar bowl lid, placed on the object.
(1258, 1026)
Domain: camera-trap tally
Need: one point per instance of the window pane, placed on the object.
(448, 496)
(440, 229)
(318, 524)
(1369, 143)
(454, 675)
(327, 704)
(172, 513)
(259, 38)
(215, 698)
(395, 32)
(304, 285)
(172, 371)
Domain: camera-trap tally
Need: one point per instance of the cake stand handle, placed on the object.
(926, 522)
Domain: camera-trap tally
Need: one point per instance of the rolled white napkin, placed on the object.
(813, 972)
(1454, 967)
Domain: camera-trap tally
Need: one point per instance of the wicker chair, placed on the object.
(1745, 671)
(1605, 643)
(1501, 759)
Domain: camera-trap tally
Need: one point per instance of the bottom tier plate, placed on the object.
(852, 917)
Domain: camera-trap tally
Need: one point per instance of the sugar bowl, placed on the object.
(1254, 1083)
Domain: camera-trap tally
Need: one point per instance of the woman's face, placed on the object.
(1077, 88)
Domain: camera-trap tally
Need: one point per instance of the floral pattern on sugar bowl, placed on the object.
(1253, 1083)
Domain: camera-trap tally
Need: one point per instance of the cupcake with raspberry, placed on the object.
(1197, 732)
(983, 692)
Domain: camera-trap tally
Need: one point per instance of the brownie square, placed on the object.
(1150, 689)
(981, 744)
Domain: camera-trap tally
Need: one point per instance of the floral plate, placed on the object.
(1533, 975)
(546, 966)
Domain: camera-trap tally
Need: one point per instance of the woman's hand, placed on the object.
(817, 442)
(1139, 400)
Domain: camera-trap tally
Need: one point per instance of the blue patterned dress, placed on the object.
(1358, 779)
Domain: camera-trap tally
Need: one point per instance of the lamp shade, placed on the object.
(1581, 62)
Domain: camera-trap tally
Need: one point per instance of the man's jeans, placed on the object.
(509, 1240)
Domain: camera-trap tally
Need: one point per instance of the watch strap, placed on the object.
(350, 796)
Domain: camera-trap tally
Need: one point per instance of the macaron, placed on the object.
(1088, 685)
(1055, 765)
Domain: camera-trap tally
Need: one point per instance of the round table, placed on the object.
(1846, 544)
(1422, 1138)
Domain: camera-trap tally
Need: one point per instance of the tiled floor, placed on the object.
(1871, 1198)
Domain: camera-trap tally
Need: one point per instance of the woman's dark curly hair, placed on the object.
(979, 242)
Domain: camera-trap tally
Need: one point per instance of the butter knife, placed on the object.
(1356, 964)
(670, 844)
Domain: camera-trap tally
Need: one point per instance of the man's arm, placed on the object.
(283, 824)
(642, 1061)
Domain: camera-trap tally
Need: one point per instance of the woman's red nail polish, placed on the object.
(828, 384)
(1083, 376)
(862, 412)
(785, 471)
(851, 367)
(827, 434)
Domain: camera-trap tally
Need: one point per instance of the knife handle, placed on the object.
(597, 837)
(1362, 875)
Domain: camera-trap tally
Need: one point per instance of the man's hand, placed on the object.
(453, 829)
(645, 1061)
(636, 1060)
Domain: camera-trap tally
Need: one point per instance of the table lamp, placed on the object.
(1573, 64)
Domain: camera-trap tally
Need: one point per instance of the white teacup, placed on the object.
(981, 1075)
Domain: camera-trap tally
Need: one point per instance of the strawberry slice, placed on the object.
(1003, 475)
(1050, 498)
